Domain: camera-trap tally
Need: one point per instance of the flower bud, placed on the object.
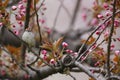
(14, 8)
(52, 61)
(64, 44)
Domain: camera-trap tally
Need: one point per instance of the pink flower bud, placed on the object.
(107, 13)
(94, 21)
(20, 23)
(118, 39)
(44, 57)
(106, 34)
(21, 6)
(112, 47)
(16, 32)
(97, 63)
(75, 53)
(42, 21)
(14, 7)
(44, 52)
(18, 17)
(103, 26)
(52, 61)
(13, 26)
(105, 5)
(97, 32)
(1, 24)
(64, 44)
(100, 16)
(83, 58)
(84, 16)
(116, 23)
(69, 51)
(117, 52)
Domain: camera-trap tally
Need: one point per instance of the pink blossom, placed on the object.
(106, 34)
(97, 32)
(75, 53)
(116, 23)
(52, 61)
(14, 7)
(44, 57)
(84, 16)
(100, 16)
(64, 44)
(21, 6)
(16, 32)
(107, 13)
(111, 9)
(103, 26)
(90, 50)
(83, 58)
(69, 51)
(20, 23)
(18, 17)
(117, 52)
(42, 21)
(94, 21)
(118, 39)
(44, 52)
(97, 63)
(112, 47)
(105, 5)
(1, 24)
(94, 46)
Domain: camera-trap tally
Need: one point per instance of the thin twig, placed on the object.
(37, 9)
(57, 15)
(72, 76)
(37, 19)
(35, 12)
(77, 6)
(92, 45)
(83, 45)
(63, 6)
(110, 40)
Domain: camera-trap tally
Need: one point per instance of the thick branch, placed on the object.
(80, 66)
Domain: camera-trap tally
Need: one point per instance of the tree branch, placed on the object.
(83, 45)
(80, 66)
(26, 25)
(110, 40)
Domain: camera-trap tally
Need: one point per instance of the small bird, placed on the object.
(29, 37)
